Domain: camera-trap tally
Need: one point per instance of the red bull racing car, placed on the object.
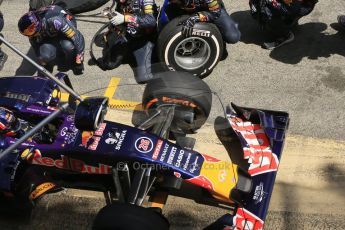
(138, 167)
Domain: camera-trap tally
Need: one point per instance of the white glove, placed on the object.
(118, 19)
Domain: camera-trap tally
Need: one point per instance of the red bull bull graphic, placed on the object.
(262, 134)
(257, 147)
(94, 137)
(245, 220)
(219, 177)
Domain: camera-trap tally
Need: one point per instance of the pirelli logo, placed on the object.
(40, 190)
(201, 33)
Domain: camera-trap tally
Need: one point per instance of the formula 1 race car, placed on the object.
(136, 166)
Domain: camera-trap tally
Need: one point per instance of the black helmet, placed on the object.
(28, 24)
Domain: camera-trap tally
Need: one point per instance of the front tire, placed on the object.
(129, 217)
(190, 94)
(198, 54)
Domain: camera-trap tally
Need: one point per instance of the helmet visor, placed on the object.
(30, 31)
(28, 24)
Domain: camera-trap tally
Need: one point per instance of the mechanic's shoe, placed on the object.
(3, 59)
(279, 42)
(78, 69)
(341, 20)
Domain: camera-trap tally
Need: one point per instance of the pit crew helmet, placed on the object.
(9, 124)
(29, 25)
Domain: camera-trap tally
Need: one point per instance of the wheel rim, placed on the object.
(192, 53)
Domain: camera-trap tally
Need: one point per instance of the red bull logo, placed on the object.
(258, 150)
(75, 165)
(245, 220)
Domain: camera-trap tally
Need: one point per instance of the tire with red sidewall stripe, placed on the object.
(183, 89)
(173, 49)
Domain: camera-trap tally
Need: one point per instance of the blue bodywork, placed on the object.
(85, 152)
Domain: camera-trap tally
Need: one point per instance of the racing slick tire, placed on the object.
(15, 207)
(190, 93)
(74, 6)
(198, 54)
(129, 217)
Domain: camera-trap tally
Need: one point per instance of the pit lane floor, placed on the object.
(305, 78)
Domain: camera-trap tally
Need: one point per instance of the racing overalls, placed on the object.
(279, 16)
(135, 45)
(207, 11)
(58, 33)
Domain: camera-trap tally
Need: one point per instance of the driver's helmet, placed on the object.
(9, 124)
(29, 24)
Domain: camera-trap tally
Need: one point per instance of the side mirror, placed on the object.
(90, 113)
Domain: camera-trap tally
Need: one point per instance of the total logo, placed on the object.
(143, 144)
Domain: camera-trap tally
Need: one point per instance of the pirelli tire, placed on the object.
(189, 93)
(198, 54)
(129, 217)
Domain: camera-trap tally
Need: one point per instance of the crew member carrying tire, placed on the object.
(135, 44)
(50, 31)
(207, 11)
(195, 38)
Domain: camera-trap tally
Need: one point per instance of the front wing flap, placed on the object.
(262, 135)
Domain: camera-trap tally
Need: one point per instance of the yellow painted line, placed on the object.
(122, 104)
(112, 86)
(64, 97)
(110, 92)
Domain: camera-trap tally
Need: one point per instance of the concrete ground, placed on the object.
(305, 78)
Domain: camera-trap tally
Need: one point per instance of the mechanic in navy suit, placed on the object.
(279, 17)
(50, 30)
(137, 18)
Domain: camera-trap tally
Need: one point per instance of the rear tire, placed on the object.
(183, 89)
(198, 54)
(129, 217)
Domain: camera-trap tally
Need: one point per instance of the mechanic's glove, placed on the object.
(118, 19)
(78, 69)
(188, 25)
